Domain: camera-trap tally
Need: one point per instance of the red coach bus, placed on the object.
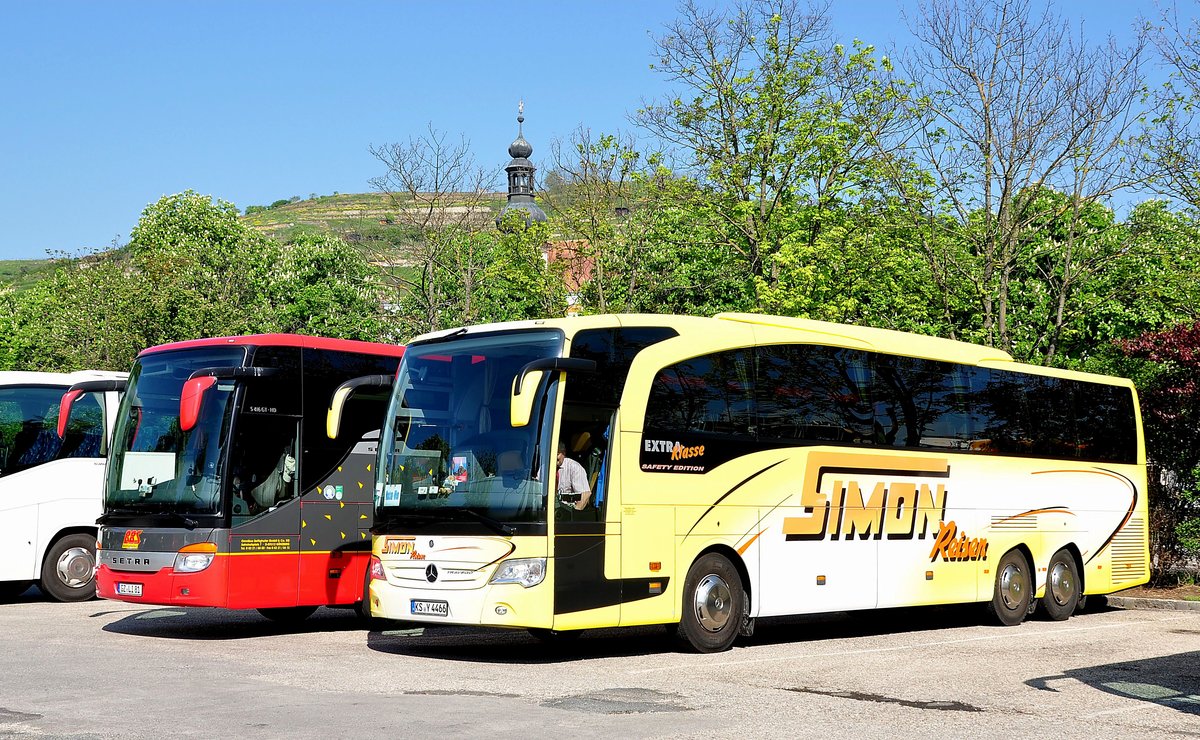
(224, 490)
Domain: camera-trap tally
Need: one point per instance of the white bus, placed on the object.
(52, 480)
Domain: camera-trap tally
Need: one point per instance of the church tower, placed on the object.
(520, 177)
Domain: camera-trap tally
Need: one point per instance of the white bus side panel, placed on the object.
(38, 503)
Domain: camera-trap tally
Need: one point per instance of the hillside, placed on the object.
(21, 274)
(349, 214)
(371, 221)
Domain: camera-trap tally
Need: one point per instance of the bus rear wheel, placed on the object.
(69, 569)
(288, 614)
(1013, 594)
(714, 605)
(1062, 586)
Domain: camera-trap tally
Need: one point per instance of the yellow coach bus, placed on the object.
(561, 475)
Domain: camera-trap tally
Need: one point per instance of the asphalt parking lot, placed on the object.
(107, 669)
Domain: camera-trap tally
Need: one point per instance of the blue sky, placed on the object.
(106, 106)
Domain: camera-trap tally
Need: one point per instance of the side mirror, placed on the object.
(64, 410)
(75, 392)
(525, 385)
(333, 417)
(520, 406)
(191, 399)
(200, 381)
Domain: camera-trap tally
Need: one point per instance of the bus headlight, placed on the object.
(528, 572)
(195, 558)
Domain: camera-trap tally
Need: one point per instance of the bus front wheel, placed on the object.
(69, 570)
(1013, 594)
(714, 605)
(1062, 586)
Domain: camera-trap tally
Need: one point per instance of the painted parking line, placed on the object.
(1005, 635)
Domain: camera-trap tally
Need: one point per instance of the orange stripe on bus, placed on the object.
(743, 548)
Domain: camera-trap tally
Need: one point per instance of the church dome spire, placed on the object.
(520, 176)
(520, 149)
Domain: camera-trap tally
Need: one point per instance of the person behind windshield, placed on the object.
(573, 488)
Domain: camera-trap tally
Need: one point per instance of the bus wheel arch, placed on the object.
(1013, 587)
(68, 571)
(715, 601)
(1064, 583)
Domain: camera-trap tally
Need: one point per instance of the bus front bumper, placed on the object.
(499, 605)
(164, 586)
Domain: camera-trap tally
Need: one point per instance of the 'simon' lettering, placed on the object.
(900, 509)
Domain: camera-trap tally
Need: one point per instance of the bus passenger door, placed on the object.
(265, 541)
(583, 595)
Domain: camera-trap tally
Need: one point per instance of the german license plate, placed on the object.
(430, 608)
(129, 589)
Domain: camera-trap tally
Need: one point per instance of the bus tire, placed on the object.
(288, 614)
(69, 569)
(714, 605)
(1013, 593)
(362, 607)
(10, 590)
(1062, 586)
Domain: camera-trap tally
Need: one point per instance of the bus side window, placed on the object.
(922, 403)
(814, 393)
(1107, 431)
(28, 434)
(712, 393)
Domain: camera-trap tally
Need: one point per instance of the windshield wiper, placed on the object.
(186, 521)
(107, 516)
(495, 525)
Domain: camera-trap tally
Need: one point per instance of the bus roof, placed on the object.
(283, 340)
(881, 340)
(764, 328)
(18, 377)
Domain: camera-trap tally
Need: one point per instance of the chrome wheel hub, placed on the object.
(1062, 585)
(1013, 586)
(75, 567)
(714, 603)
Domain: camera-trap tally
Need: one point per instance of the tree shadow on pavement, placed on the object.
(218, 624)
(1169, 680)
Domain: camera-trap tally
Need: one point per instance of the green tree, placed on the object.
(191, 269)
(1171, 159)
(324, 287)
(592, 177)
(80, 317)
(1013, 105)
(474, 276)
(203, 272)
(771, 119)
(859, 270)
(671, 253)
